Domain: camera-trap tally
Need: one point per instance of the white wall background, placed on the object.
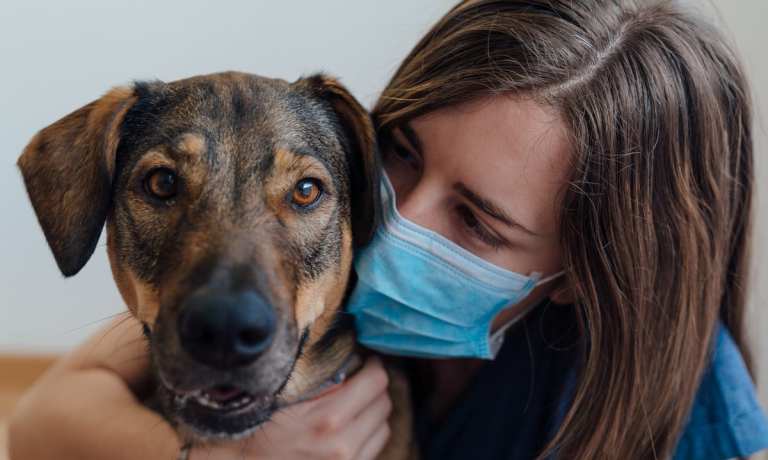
(56, 56)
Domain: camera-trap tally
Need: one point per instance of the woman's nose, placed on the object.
(420, 204)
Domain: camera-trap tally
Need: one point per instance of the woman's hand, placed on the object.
(348, 422)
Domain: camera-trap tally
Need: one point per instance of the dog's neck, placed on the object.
(326, 361)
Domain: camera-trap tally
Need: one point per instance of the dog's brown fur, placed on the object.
(238, 143)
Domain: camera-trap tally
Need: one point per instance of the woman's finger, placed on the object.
(373, 446)
(367, 422)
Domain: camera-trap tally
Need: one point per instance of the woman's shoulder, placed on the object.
(726, 420)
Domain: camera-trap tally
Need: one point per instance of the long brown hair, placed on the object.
(655, 221)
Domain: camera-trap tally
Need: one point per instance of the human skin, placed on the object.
(509, 150)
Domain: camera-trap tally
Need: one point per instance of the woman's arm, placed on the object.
(85, 406)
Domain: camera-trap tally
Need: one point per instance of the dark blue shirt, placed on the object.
(515, 403)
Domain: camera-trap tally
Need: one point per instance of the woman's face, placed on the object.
(487, 175)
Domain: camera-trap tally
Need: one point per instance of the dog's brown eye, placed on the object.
(161, 183)
(306, 192)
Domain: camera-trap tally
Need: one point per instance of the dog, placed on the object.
(232, 203)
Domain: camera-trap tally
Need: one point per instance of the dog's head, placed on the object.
(232, 204)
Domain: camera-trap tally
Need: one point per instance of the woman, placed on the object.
(595, 155)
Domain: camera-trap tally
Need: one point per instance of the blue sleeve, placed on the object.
(726, 420)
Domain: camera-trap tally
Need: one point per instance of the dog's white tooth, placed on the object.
(208, 402)
(180, 400)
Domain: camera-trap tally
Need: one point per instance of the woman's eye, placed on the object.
(306, 193)
(402, 152)
(478, 230)
(161, 183)
(405, 154)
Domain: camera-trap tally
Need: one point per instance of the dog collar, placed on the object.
(348, 367)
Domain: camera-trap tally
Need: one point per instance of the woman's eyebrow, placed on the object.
(490, 208)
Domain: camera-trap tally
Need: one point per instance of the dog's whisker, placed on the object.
(120, 343)
(132, 360)
(100, 320)
(155, 425)
(142, 354)
(115, 326)
(131, 345)
(262, 430)
(135, 340)
(125, 330)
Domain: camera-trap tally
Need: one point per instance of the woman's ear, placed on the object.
(563, 293)
(68, 168)
(362, 154)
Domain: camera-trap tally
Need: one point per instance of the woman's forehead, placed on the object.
(512, 150)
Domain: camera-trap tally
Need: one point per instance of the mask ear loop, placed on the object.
(550, 278)
(497, 338)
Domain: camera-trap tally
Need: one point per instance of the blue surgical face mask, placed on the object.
(419, 294)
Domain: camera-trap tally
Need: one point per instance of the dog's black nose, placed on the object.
(226, 330)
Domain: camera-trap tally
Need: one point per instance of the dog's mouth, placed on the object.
(221, 398)
(221, 411)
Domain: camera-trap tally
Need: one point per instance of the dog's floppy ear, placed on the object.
(68, 169)
(362, 154)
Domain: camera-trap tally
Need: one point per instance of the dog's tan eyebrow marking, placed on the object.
(286, 160)
(155, 158)
(291, 162)
(190, 143)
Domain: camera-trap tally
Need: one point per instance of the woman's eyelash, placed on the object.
(404, 153)
(477, 228)
(401, 151)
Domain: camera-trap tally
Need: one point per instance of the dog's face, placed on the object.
(229, 201)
